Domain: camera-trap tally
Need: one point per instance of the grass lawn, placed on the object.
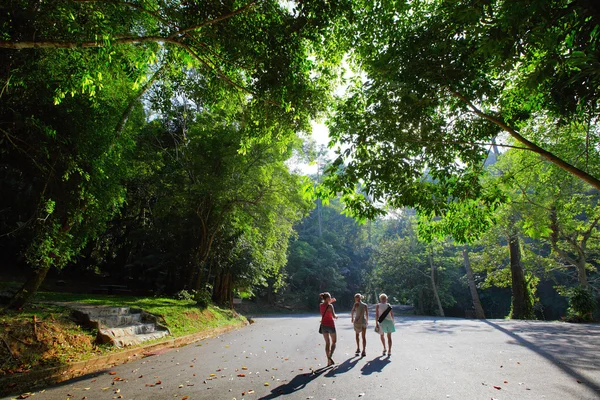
(43, 334)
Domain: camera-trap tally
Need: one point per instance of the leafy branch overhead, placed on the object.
(439, 84)
(258, 47)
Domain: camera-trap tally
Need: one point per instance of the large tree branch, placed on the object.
(132, 103)
(57, 44)
(588, 233)
(532, 146)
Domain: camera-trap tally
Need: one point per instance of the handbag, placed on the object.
(384, 314)
(323, 315)
(377, 329)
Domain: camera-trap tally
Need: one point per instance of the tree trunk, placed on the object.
(479, 314)
(519, 289)
(29, 288)
(222, 291)
(319, 217)
(581, 274)
(434, 287)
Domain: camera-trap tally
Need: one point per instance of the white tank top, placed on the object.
(382, 308)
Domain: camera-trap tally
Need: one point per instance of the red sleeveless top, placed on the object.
(327, 319)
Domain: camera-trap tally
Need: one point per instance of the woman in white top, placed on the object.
(387, 325)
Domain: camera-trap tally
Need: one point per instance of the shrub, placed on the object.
(582, 304)
(202, 298)
(184, 295)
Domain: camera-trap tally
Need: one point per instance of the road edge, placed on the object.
(26, 382)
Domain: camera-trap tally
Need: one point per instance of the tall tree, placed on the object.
(438, 80)
(68, 63)
(557, 208)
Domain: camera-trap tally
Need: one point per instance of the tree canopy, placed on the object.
(439, 81)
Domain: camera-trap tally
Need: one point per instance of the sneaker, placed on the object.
(364, 354)
(384, 352)
(357, 352)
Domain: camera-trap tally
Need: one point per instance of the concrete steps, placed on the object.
(121, 326)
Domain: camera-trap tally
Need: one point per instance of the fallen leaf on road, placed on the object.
(112, 373)
(267, 384)
(250, 391)
(578, 381)
(245, 368)
(185, 397)
(241, 375)
(497, 387)
(24, 396)
(361, 394)
(505, 381)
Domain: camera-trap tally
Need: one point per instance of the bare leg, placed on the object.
(364, 340)
(327, 345)
(389, 343)
(333, 341)
(357, 342)
(382, 337)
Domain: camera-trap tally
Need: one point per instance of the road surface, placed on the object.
(433, 358)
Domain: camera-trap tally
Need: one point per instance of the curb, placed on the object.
(18, 383)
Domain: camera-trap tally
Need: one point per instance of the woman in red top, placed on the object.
(328, 326)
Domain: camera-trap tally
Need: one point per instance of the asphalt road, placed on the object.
(433, 358)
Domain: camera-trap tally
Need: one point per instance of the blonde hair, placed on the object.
(383, 296)
(358, 295)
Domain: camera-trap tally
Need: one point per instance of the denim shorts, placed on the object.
(327, 329)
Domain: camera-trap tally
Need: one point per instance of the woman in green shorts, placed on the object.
(361, 320)
(387, 325)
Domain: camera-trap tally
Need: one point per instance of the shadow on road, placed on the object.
(375, 365)
(343, 367)
(558, 345)
(299, 382)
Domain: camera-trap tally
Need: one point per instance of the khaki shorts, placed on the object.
(358, 328)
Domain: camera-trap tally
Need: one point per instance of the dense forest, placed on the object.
(151, 144)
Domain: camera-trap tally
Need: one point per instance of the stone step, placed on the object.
(135, 329)
(133, 340)
(121, 326)
(119, 320)
(96, 312)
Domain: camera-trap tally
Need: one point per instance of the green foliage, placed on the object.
(437, 81)
(402, 269)
(582, 304)
(202, 298)
(330, 254)
(164, 128)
